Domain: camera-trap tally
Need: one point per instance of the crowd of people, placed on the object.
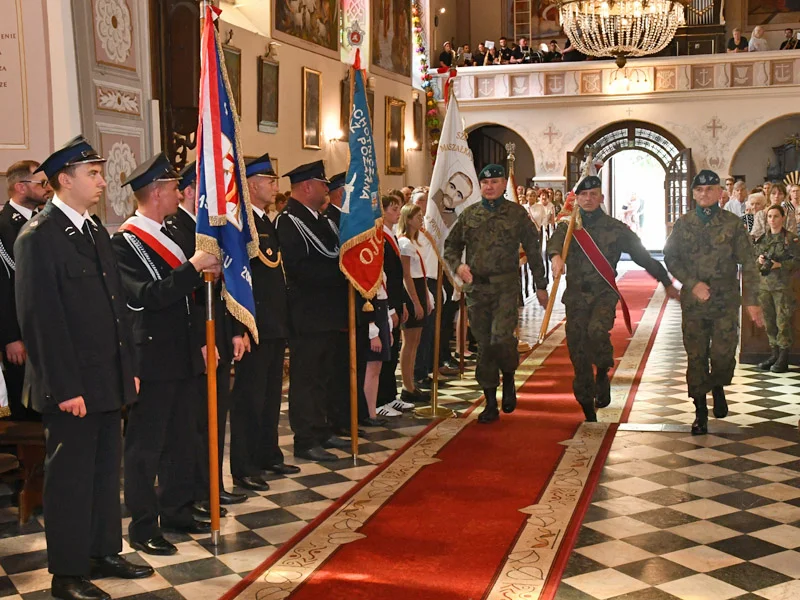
(758, 43)
(122, 332)
(506, 51)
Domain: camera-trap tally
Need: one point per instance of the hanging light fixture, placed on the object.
(620, 28)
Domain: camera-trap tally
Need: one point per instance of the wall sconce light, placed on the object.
(415, 95)
(334, 134)
(371, 82)
(411, 145)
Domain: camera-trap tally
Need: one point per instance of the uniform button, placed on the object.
(120, 343)
(104, 273)
(113, 296)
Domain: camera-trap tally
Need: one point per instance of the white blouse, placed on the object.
(414, 252)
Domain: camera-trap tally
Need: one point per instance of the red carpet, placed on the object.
(445, 534)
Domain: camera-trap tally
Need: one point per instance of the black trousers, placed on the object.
(256, 409)
(312, 370)
(387, 383)
(423, 362)
(201, 479)
(81, 490)
(15, 382)
(339, 398)
(447, 328)
(160, 443)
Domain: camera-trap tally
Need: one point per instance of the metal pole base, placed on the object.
(215, 537)
(428, 412)
(523, 347)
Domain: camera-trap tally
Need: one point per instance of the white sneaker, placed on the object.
(387, 411)
(400, 405)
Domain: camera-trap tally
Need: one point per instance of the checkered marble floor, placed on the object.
(713, 517)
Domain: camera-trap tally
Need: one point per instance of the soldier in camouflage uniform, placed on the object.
(590, 302)
(777, 252)
(492, 231)
(703, 252)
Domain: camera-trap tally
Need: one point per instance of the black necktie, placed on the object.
(87, 232)
(166, 232)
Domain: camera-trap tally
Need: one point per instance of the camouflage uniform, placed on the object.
(590, 303)
(775, 292)
(711, 253)
(492, 239)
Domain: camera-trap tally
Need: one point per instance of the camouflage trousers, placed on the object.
(710, 343)
(589, 342)
(778, 307)
(493, 316)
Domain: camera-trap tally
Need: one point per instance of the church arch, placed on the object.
(487, 141)
(751, 158)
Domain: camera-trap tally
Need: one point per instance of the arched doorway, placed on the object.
(488, 145)
(769, 152)
(646, 174)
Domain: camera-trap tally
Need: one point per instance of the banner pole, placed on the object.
(211, 378)
(557, 279)
(351, 328)
(462, 333)
(434, 410)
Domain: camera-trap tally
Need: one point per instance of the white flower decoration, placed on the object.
(113, 22)
(120, 164)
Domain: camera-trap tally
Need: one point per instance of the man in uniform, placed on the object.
(492, 231)
(80, 367)
(317, 292)
(230, 347)
(704, 252)
(27, 193)
(257, 388)
(589, 300)
(335, 192)
(159, 282)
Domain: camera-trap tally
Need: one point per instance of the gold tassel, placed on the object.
(368, 307)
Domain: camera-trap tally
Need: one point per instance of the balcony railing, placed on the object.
(703, 73)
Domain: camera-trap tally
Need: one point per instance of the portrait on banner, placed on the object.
(391, 36)
(310, 24)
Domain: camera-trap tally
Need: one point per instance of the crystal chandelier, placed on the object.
(620, 28)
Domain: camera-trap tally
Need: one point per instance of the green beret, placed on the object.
(588, 183)
(492, 171)
(705, 177)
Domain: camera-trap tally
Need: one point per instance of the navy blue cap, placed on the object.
(705, 177)
(590, 182)
(188, 175)
(491, 172)
(74, 152)
(260, 166)
(314, 170)
(157, 168)
(337, 181)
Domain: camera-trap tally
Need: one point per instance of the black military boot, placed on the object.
(603, 386)
(490, 413)
(700, 425)
(588, 411)
(782, 364)
(509, 393)
(720, 404)
(766, 364)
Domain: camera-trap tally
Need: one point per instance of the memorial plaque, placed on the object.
(14, 116)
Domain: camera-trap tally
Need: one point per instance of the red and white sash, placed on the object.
(150, 234)
(602, 266)
(391, 239)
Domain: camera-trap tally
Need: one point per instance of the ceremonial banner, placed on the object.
(361, 225)
(225, 225)
(454, 183)
(511, 189)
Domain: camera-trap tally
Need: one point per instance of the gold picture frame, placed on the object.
(395, 136)
(312, 109)
(233, 65)
(268, 86)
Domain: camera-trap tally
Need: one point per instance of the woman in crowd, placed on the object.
(777, 196)
(777, 252)
(793, 190)
(756, 203)
(414, 277)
